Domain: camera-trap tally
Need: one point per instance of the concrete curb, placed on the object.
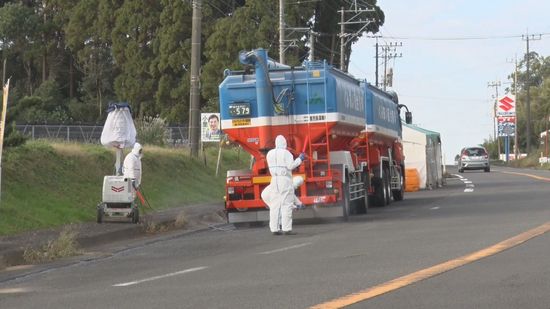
(92, 234)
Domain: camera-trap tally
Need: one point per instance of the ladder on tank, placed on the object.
(324, 142)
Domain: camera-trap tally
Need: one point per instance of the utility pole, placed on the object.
(285, 31)
(346, 38)
(527, 38)
(342, 39)
(282, 31)
(376, 65)
(516, 134)
(4, 72)
(194, 102)
(390, 52)
(312, 46)
(376, 57)
(495, 84)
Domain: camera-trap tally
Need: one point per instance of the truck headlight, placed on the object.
(230, 190)
(328, 184)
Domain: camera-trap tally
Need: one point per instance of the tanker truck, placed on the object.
(349, 130)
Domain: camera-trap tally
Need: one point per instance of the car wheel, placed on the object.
(487, 169)
(461, 170)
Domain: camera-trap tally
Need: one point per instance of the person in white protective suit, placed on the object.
(279, 196)
(132, 165)
(297, 181)
(268, 195)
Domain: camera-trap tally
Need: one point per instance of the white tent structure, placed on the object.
(422, 149)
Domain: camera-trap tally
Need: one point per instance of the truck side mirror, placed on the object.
(408, 117)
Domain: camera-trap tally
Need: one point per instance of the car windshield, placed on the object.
(475, 152)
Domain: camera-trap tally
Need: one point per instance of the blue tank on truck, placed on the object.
(321, 111)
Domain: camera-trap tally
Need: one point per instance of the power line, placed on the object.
(463, 38)
(302, 2)
(458, 99)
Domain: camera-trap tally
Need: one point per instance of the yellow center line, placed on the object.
(432, 271)
(528, 175)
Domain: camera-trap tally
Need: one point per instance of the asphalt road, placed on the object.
(250, 268)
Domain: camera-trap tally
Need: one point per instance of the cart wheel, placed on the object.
(100, 215)
(135, 215)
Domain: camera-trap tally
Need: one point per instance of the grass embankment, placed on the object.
(48, 184)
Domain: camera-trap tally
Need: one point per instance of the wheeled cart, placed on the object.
(118, 200)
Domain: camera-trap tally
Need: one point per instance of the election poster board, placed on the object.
(210, 127)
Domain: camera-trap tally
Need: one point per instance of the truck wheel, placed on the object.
(345, 200)
(387, 185)
(378, 199)
(398, 194)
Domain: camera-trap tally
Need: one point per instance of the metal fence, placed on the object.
(177, 136)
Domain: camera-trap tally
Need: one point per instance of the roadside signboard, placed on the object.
(506, 126)
(506, 105)
(210, 127)
(506, 115)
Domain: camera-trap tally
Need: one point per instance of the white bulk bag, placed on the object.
(119, 130)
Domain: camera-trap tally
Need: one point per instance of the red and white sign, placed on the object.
(511, 119)
(506, 105)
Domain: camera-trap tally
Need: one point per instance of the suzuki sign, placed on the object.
(506, 106)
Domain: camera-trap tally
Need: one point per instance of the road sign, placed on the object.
(506, 119)
(506, 105)
(506, 129)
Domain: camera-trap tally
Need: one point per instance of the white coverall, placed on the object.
(132, 165)
(297, 181)
(280, 192)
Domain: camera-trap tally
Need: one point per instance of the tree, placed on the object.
(250, 26)
(135, 30)
(172, 51)
(539, 83)
(88, 33)
(18, 34)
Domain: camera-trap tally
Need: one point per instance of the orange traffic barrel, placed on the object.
(412, 180)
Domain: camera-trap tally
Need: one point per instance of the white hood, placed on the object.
(137, 150)
(280, 142)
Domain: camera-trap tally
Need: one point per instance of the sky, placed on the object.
(444, 83)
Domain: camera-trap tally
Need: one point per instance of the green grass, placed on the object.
(50, 184)
(531, 161)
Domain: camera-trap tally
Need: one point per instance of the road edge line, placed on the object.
(432, 271)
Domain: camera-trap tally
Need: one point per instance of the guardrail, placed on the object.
(91, 134)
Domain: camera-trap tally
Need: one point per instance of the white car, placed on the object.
(474, 158)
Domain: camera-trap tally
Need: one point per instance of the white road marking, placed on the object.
(469, 185)
(286, 248)
(435, 208)
(160, 277)
(14, 290)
